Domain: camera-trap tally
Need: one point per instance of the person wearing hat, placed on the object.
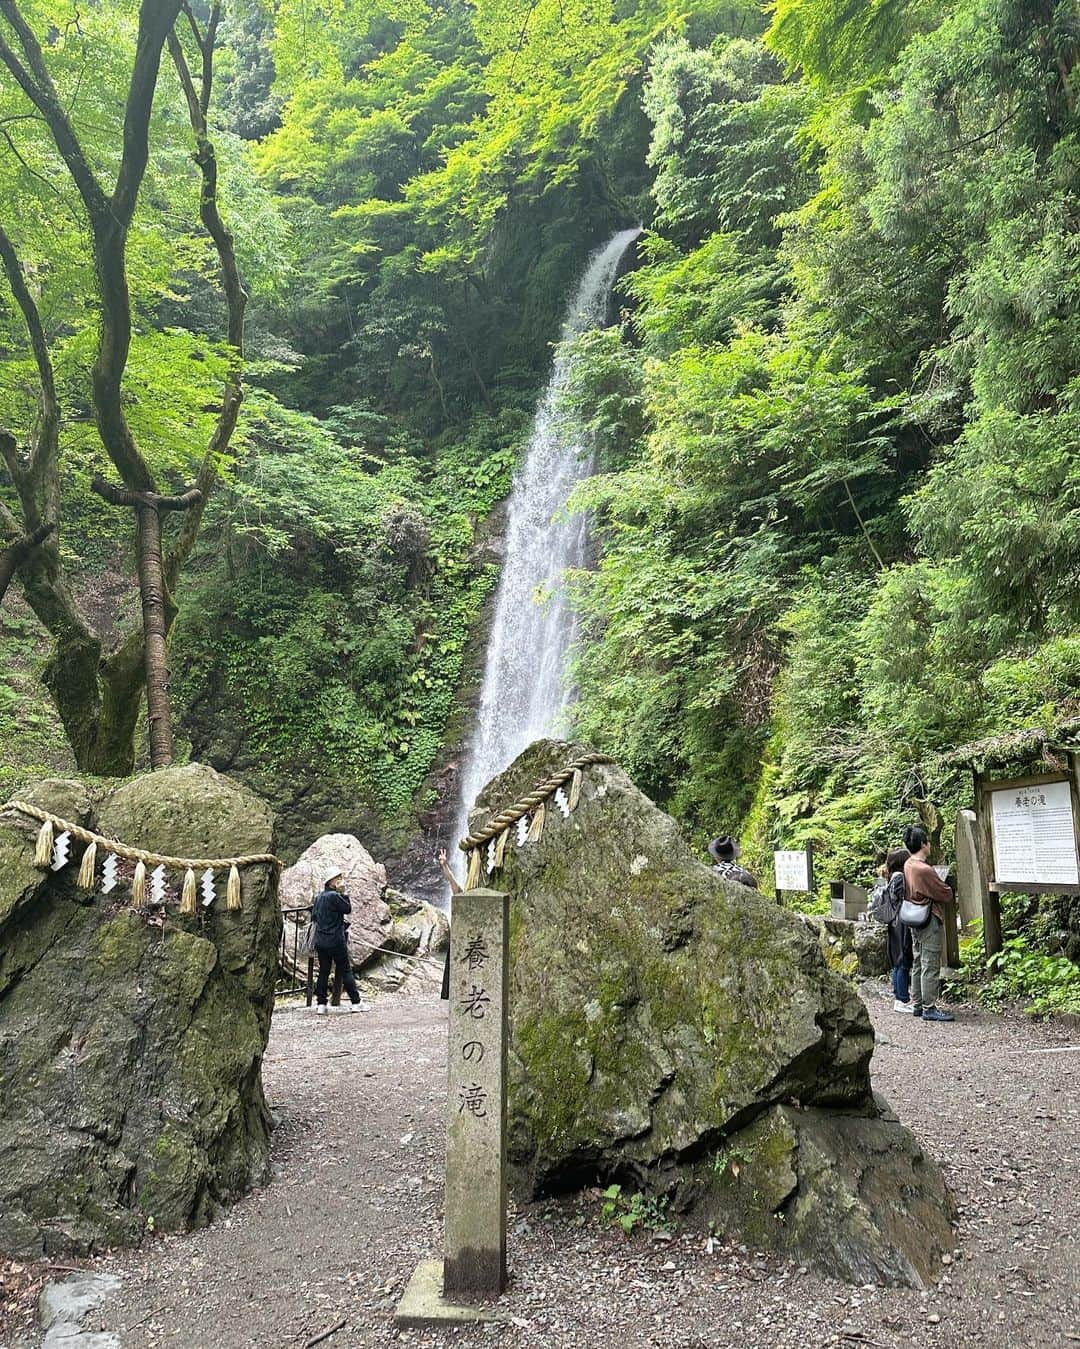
(331, 943)
(724, 852)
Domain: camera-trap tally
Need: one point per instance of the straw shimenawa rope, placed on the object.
(536, 797)
(140, 854)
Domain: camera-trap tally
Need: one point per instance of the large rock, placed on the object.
(130, 1053)
(661, 1015)
(421, 933)
(419, 929)
(872, 948)
(857, 949)
(410, 957)
(371, 922)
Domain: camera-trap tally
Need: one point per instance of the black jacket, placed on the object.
(328, 915)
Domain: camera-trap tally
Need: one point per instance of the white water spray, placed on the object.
(526, 691)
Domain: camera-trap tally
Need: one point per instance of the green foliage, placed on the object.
(634, 1210)
(835, 430)
(838, 506)
(337, 614)
(1047, 984)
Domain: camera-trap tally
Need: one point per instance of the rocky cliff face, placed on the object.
(130, 1052)
(667, 1023)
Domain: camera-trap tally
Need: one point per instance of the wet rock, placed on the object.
(658, 1011)
(130, 1053)
(418, 927)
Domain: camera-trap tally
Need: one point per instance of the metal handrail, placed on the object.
(289, 978)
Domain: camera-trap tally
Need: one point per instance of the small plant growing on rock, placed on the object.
(634, 1210)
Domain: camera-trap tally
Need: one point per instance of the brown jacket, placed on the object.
(925, 886)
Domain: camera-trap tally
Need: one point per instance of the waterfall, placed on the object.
(525, 693)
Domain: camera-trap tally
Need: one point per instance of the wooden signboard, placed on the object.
(1026, 835)
(1031, 826)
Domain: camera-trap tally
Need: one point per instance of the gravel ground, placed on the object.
(356, 1204)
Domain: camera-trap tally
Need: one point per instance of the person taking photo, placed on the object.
(331, 941)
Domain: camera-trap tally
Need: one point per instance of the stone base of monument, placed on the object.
(423, 1303)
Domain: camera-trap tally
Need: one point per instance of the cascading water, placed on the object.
(525, 692)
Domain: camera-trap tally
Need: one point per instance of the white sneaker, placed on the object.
(899, 1006)
(358, 1007)
(320, 1010)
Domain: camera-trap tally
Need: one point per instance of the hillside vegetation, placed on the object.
(837, 498)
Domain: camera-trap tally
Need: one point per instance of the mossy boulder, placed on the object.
(855, 1193)
(659, 1011)
(130, 1051)
(859, 950)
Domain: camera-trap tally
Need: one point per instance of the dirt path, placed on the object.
(356, 1204)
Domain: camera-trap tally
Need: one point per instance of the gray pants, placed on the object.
(926, 966)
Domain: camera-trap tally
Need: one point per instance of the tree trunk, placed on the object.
(155, 632)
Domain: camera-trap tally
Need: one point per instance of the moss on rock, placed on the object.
(659, 1012)
(130, 1054)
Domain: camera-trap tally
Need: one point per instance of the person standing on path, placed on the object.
(901, 953)
(331, 941)
(924, 886)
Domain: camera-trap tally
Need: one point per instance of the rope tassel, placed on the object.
(500, 848)
(187, 895)
(536, 829)
(528, 813)
(87, 866)
(43, 851)
(476, 863)
(54, 841)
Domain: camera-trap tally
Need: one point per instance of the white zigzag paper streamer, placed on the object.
(206, 885)
(562, 803)
(108, 873)
(523, 830)
(491, 856)
(157, 885)
(61, 852)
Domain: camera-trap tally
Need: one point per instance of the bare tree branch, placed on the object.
(37, 484)
(235, 295)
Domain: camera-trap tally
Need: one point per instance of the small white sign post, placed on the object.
(794, 870)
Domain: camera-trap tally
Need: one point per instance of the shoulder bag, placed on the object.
(914, 915)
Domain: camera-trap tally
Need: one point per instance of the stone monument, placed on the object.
(473, 1268)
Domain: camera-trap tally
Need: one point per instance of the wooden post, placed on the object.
(952, 938)
(991, 904)
(474, 1262)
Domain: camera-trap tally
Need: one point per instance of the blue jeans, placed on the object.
(901, 983)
